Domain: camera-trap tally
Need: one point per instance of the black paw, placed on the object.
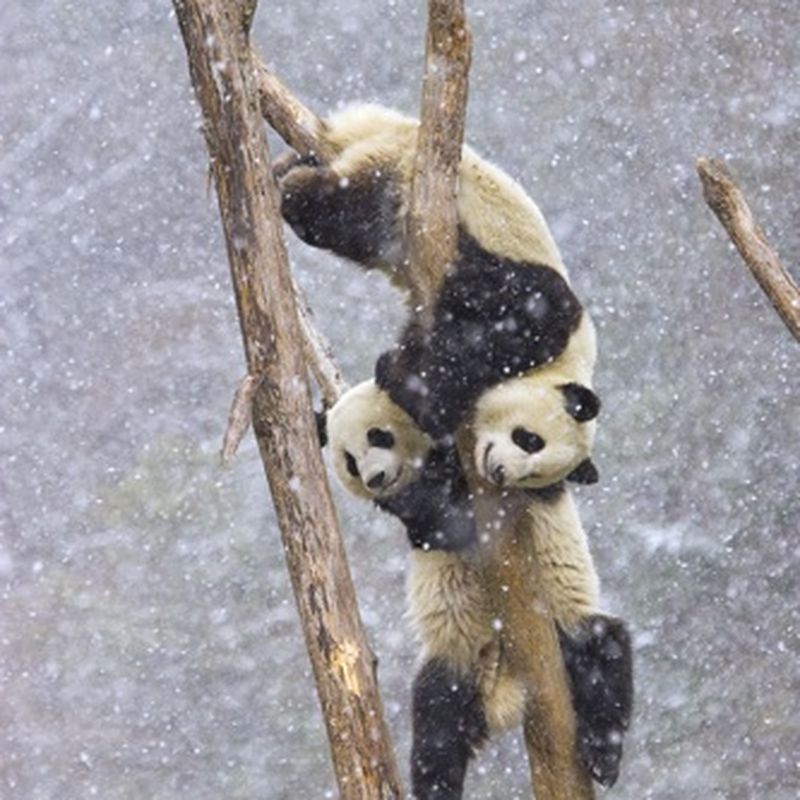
(599, 661)
(601, 753)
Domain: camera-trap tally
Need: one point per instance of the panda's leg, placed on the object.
(448, 726)
(599, 662)
(355, 218)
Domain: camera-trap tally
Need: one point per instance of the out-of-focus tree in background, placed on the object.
(148, 642)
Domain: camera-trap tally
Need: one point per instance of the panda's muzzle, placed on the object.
(496, 474)
(376, 481)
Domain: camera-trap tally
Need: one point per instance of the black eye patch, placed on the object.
(350, 463)
(527, 441)
(378, 438)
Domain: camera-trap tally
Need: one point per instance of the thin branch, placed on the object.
(318, 352)
(296, 124)
(433, 215)
(727, 201)
(222, 74)
(240, 417)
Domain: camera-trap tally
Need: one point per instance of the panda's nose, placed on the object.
(376, 481)
(499, 474)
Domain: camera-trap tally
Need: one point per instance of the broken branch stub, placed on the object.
(727, 201)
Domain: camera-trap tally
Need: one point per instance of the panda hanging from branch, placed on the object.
(497, 378)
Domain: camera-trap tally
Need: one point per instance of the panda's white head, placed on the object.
(534, 431)
(376, 447)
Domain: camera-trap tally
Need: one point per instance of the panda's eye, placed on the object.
(378, 438)
(527, 441)
(350, 463)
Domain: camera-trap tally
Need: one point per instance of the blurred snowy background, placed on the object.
(149, 646)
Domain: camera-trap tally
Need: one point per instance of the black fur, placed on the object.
(321, 418)
(548, 494)
(437, 508)
(581, 402)
(599, 662)
(494, 319)
(586, 473)
(356, 218)
(448, 726)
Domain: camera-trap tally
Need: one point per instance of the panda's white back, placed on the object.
(492, 207)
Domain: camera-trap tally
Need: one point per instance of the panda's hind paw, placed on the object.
(601, 753)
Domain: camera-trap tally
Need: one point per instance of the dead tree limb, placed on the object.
(296, 124)
(726, 200)
(531, 645)
(433, 215)
(318, 352)
(221, 67)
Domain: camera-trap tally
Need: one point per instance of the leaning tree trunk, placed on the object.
(216, 36)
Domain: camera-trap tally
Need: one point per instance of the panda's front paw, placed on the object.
(287, 161)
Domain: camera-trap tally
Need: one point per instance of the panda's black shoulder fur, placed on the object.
(494, 319)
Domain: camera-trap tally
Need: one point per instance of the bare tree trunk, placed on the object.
(215, 34)
(528, 633)
(433, 216)
(727, 201)
(531, 645)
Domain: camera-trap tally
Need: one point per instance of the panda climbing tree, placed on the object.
(365, 766)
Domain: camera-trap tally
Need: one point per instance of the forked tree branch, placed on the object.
(550, 724)
(215, 35)
(727, 201)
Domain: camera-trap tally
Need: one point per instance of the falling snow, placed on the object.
(149, 645)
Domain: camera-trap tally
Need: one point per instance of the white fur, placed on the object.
(536, 403)
(449, 602)
(492, 207)
(363, 407)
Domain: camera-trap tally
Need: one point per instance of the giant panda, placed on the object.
(502, 308)
(465, 689)
(536, 430)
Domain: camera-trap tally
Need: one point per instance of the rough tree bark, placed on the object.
(432, 215)
(727, 201)
(216, 36)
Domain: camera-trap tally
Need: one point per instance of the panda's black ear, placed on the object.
(581, 402)
(321, 418)
(586, 473)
